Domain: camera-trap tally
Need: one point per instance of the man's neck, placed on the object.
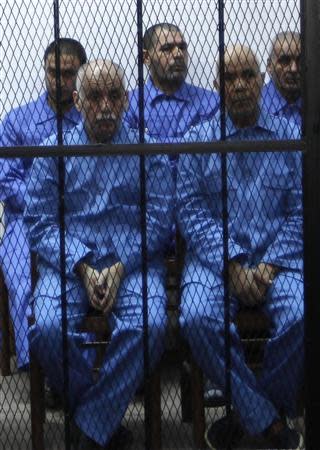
(65, 107)
(245, 122)
(291, 99)
(167, 88)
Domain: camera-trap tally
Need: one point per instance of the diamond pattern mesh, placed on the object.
(180, 319)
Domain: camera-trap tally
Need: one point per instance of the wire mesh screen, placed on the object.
(151, 298)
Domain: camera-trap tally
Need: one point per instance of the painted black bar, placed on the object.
(154, 149)
(225, 216)
(144, 256)
(61, 171)
(311, 182)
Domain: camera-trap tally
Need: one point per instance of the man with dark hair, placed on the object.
(282, 94)
(264, 251)
(103, 249)
(171, 105)
(30, 125)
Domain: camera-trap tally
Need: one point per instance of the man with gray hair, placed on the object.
(281, 96)
(263, 260)
(103, 257)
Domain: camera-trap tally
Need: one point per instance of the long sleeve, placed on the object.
(42, 218)
(286, 249)
(200, 214)
(159, 215)
(12, 184)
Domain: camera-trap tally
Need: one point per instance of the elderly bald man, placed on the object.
(103, 256)
(281, 96)
(264, 260)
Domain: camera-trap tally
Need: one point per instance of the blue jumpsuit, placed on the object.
(169, 117)
(102, 217)
(27, 125)
(273, 102)
(264, 225)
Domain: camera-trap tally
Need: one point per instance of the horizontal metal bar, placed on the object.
(152, 149)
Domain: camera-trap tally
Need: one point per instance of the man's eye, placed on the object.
(167, 48)
(114, 95)
(248, 74)
(284, 60)
(229, 76)
(94, 96)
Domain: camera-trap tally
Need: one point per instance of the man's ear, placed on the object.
(146, 57)
(216, 84)
(126, 101)
(269, 67)
(76, 100)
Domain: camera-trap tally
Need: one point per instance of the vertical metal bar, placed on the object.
(225, 218)
(311, 189)
(140, 71)
(143, 200)
(61, 169)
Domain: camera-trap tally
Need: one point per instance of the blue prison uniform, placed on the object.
(274, 103)
(27, 125)
(102, 220)
(264, 208)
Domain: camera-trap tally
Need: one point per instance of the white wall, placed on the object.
(109, 29)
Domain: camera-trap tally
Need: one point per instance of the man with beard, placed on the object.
(171, 106)
(264, 251)
(30, 125)
(103, 254)
(282, 94)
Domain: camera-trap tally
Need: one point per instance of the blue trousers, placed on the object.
(98, 408)
(15, 264)
(257, 400)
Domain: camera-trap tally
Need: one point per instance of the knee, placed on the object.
(47, 330)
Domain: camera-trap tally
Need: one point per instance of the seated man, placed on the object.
(281, 96)
(29, 125)
(264, 260)
(103, 256)
(171, 105)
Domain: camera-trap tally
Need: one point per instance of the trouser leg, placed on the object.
(282, 374)
(202, 322)
(15, 264)
(102, 407)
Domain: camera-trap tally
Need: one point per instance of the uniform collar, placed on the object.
(264, 122)
(275, 102)
(153, 93)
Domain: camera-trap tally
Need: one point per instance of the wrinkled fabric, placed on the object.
(102, 222)
(264, 208)
(27, 125)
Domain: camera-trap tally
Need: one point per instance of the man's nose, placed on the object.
(177, 52)
(294, 67)
(105, 103)
(239, 85)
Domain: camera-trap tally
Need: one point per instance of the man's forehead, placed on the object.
(165, 35)
(239, 60)
(106, 78)
(288, 46)
(65, 58)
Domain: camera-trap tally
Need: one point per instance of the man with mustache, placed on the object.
(264, 265)
(171, 105)
(30, 125)
(103, 249)
(282, 94)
